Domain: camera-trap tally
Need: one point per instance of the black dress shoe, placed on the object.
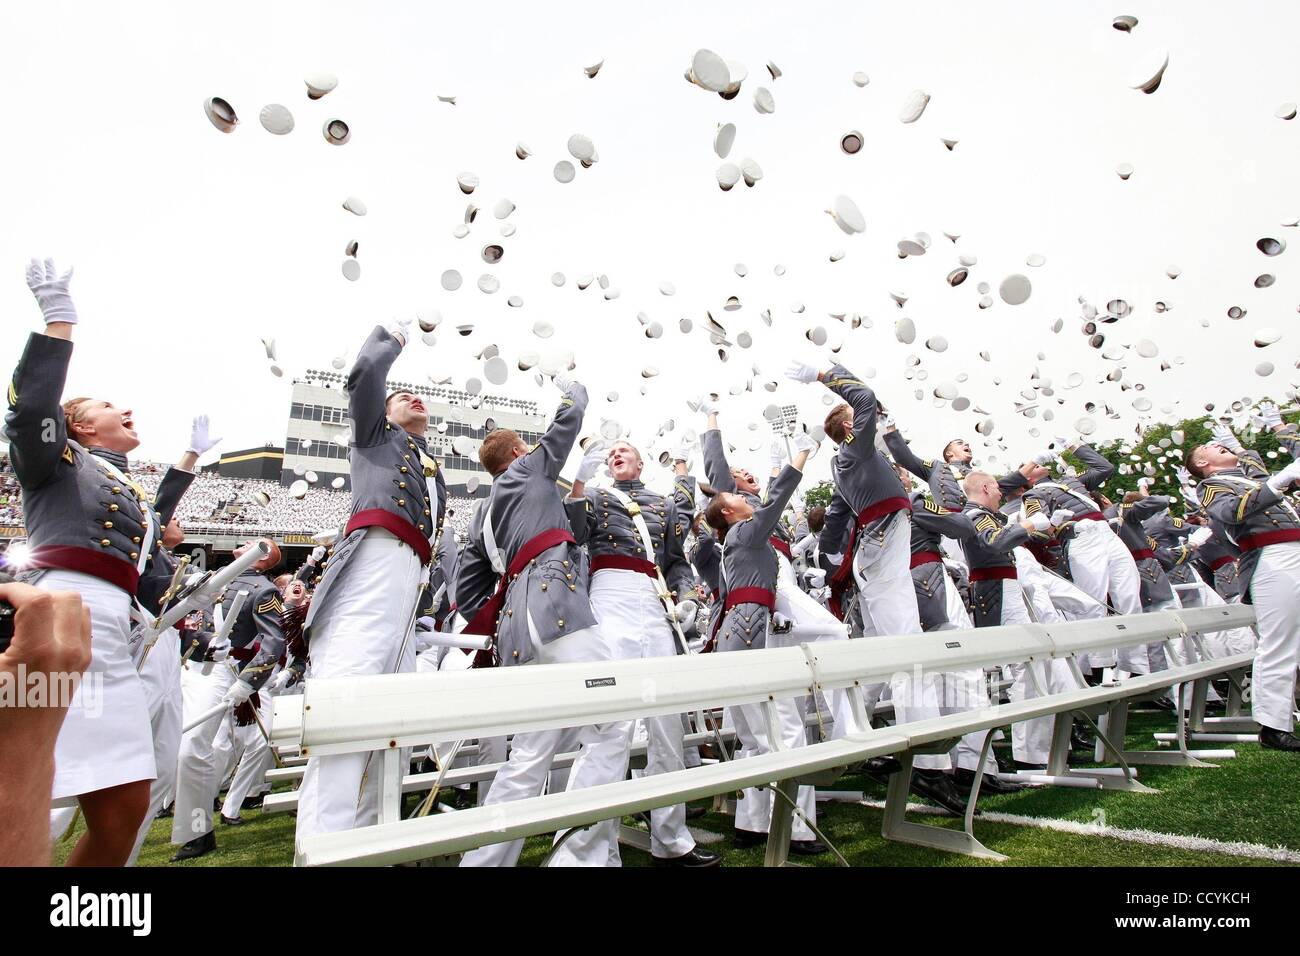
(694, 813)
(197, 847)
(232, 821)
(164, 814)
(696, 859)
(879, 769)
(1163, 703)
(1278, 740)
(807, 847)
(989, 784)
(747, 838)
(1004, 761)
(935, 786)
(1023, 767)
(252, 803)
(1081, 739)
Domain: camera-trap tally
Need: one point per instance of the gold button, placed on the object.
(134, 556)
(401, 484)
(104, 542)
(510, 612)
(560, 622)
(108, 524)
(112, 507)
(573, 587)
(402, 469)
(543, 585)
(135, 540)
(426, 511)
(388, 428)
(515, 653)
(421, 527)
(116, 491)
(401, 502)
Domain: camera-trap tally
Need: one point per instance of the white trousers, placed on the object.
(1031, 740)
(253, 752)
(754, 808)
(887, 599)
(364, 628)
(1104, 569)
(204, 753)
(106, 739)
(812, 622)
(161, 675)
(1275, 593)
(632, 618)
(602, 759)
(964, 690)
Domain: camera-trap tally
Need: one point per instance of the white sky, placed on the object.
(190, 245)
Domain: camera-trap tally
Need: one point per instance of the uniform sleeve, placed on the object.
(1098, 468)
(950, 524)
(1252, 465)
(716, 468)
(834, 534)
(582, 517)
(34, 425)
(1175, 555)
(475, 579)
(861, 444)
(1144, 508)
(779, 492)
(553, 450)
(440, 491)
(367, 386)
(902, 453)
(266, 616)
(171, 489)
(677, 570)
(999, 537)
(1012, 482)
(1288, 437)
(683, 499)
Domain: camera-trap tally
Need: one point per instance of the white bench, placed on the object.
(388, 712)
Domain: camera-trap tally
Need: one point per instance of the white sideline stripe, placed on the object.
(1254, 851)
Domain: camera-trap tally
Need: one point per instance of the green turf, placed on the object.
(1249, 799)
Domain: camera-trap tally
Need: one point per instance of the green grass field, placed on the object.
(1249, 799)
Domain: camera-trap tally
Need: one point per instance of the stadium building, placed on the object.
(316, 438)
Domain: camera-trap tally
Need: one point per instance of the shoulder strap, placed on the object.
(490, 540)
(638, 521)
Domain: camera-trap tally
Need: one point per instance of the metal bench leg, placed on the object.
(390, 786)
(779, 830)
(895, 827)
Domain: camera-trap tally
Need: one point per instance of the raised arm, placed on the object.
(902, 452)
(1144, 508)
(367, 386)
(1098, 468)
(999, 537)
(934, 519)
(34, 425)
(716, 468)
(552, 451)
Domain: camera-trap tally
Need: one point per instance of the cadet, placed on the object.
(364, 609)
(1256, 515)
(634, 543)
(256, 641)
(523, 579)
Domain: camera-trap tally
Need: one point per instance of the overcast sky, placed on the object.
(190, 245)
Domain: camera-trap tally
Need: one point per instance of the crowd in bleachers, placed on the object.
(217, 504)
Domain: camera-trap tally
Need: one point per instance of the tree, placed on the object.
(819, 496)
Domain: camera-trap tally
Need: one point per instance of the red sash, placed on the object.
(1249, 542)
(992, 574)
(624, 563)
(926, 557)
(844, 573)
(1141, 554)
(400, 527)
(1220, 562)
(95, 563)
(739, 596)
(1090, 516)
(485, 621)
(781, 546)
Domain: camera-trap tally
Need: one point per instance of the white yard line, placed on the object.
(1254, 851)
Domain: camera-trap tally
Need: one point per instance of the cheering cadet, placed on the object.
(362, 615)
(640, 587)
(523, 579)
(749, 582)
(1256, 515)
(256, 641)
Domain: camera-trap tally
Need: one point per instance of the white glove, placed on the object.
(1043, 459)
(804, 442)
(281, 680)
(1200, 536)
(815, 578)
(219, 651)
(201, 439)
(1284, 478)
(51, 291)
(885, 422)
(1224, 436)
(1272, 417)
(802, 373)
(1145, 482)
(681, 453)
(564, 383)
(1040, 522)
(705, 405)
(239, 692)
(1184, 476)
(592, 459)
(685, 612)
(402, 329)
(776, 454)
(1060, 516)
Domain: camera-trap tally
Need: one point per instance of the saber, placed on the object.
(202, 592)
(155, 633)
(205, 717)
(257, 718)
(466, 642)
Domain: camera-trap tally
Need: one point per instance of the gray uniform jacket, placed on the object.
(931, 523)
(79, 516)
(1155, 588)
(748, 561)
(718, 471)
(1251, 514)
(257, 638)
(1217, 559)
(608, 532)
(944, 477)
(1170, 534)
(862, 474)
(989, 547)
(525, 502)
(391, 471)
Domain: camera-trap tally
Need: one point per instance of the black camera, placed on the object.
(6, 616)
